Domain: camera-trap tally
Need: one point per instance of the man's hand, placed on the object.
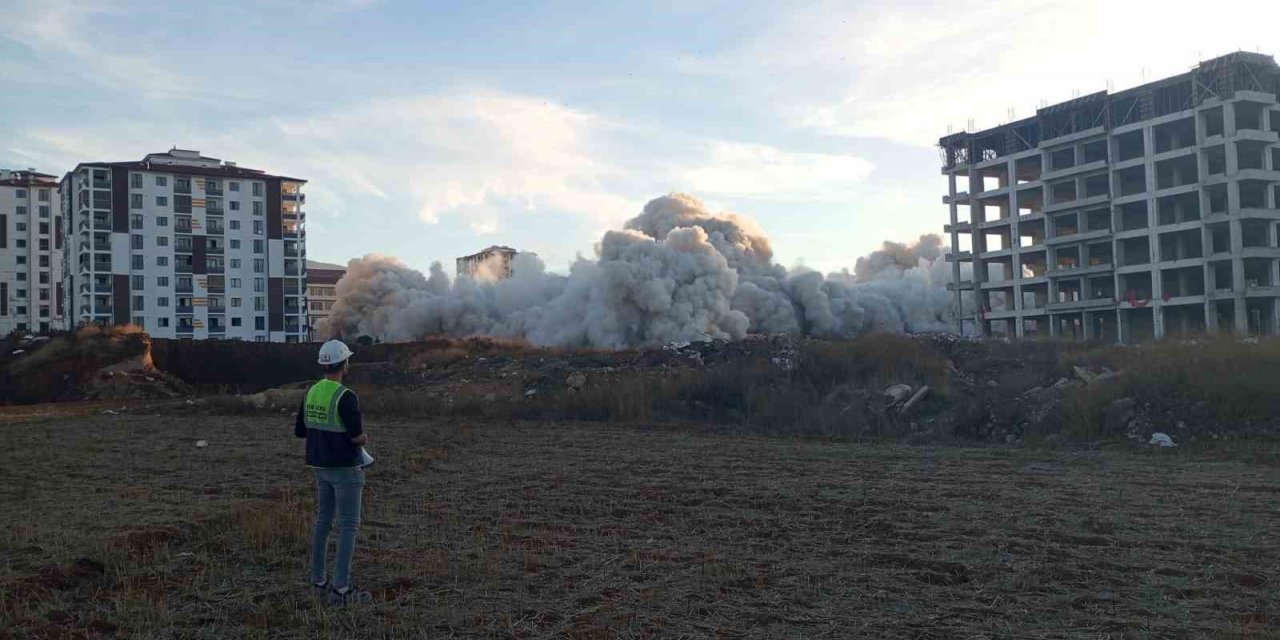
(364, 438)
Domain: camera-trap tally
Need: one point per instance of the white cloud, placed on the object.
(905, 71)
(63, 33)
(731, 168)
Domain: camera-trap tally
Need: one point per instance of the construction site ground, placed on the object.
(120, 526)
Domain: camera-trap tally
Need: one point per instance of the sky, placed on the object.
(430, 130)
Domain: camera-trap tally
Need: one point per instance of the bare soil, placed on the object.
(119, 526)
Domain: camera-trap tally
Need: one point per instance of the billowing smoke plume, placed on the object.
(676, 272)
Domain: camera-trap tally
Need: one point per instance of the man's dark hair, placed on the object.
(333, 368)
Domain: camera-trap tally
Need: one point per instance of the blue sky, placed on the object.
(429, 130)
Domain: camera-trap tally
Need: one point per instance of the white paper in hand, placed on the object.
(366, 460)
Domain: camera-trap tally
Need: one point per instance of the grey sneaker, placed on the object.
(320, 588)
(348, 595)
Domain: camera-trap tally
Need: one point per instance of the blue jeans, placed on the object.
(338, 489)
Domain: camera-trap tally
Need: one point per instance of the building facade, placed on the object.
(1124, 216)
(493, 263)
(186, 246)
(30, 253)
(322, 281)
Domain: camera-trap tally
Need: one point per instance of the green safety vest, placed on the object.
(322, 406)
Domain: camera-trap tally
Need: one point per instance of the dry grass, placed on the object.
(540, 530)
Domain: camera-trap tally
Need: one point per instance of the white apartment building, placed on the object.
(30, 252)
(186, 246)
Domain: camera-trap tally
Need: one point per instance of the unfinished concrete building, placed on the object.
(1125, 216)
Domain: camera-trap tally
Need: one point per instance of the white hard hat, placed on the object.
(333, 352)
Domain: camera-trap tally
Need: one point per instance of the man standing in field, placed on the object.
(330, 421)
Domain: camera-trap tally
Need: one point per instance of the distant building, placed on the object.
(493, 263)
(322, 280)
(186, 246)
(30, 252)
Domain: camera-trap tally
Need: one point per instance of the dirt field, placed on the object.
(119, 526)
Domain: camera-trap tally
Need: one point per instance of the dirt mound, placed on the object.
(70, 366)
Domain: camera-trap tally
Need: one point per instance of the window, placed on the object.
(139, 303)
(44, 294)
(138, 282)
(162, 221)
(20, 226)
(135, 201)
(137, 262)
(22, 293)
(235, 225)
(235, 322)
(257, 208)
(234, 186)
(184, 282)
(162, 181)
(235, 244)
(259, 265)
(21, 193)
(235, 263)
(44, 244)
(235, 302)
(260, 324)
(135, 241)
(235, 206)
(135, 180)
(20, 243)
(162, 281)
(182, 204)
(22, 277)
(163, 322)
(259, 304)
(140, 321)
(20, 210)
(44, 211)
(162, 201)
(162, 261)
(44, 228)
(235, 283)
(259, 284)
(135, 221)
(44, 277)
(257, 227)
(21, 260)
(162, 241)
(44, 311)
(257, 189)
(182, 184)
(44, 261)
(43, 195)
(259, 246)
(162, 301)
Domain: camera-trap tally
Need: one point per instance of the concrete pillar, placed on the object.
(1157, 319)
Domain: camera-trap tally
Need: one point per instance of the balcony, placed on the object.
(101, 184)
(215, 229)
(183, 288)
(292, 287)
(186, 329)
(99, 265)
(102, 308)
(182, 228)
(214, 250)
(222, 308)
(102, 222)
(213, 189)
(182, 186)
(218, 268)
(188, 309)
(181, 268)
(290, 252)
